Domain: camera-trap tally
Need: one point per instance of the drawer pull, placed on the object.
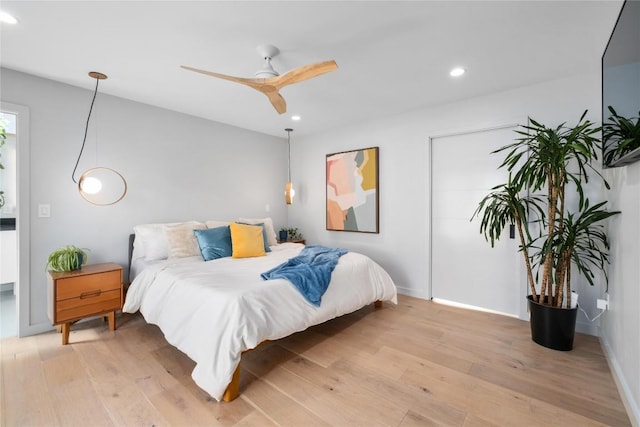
(90, 294)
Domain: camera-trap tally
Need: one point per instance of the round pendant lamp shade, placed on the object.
(102, 186)
(99, 185)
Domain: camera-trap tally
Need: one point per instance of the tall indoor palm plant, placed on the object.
(555, 232)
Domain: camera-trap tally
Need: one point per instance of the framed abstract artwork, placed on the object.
(352, 191)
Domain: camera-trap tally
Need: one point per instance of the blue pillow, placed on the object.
(214, 242)
(264, 234)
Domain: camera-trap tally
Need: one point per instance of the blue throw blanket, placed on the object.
(310, 271)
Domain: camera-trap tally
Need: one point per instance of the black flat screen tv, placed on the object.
(621, 90)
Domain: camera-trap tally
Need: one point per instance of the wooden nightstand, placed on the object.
(293, 241)
(91, 291)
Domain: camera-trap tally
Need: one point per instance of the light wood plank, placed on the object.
(178, 407)
(126, 403)
(25, 393)
(255, 419)
(417, 363)
(278, 407)
(413, 419)
(72, 394)
(317, 347)
(592, 405)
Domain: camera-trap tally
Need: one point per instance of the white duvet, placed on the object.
(215, 310)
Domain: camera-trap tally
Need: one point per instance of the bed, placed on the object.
(215, 310)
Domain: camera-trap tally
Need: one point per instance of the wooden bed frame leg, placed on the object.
(233, 389)
(377, 304)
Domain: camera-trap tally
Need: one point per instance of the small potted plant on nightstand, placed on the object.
(67, 258)
(293, 234)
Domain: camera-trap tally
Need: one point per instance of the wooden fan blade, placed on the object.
(262, 85)
(254, 83)
(277, 101)
(303, 73)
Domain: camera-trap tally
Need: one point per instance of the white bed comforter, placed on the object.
(213, 311)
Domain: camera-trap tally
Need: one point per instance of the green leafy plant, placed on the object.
(552, 237)
(293, 234)
(67, 258)
(621, 135)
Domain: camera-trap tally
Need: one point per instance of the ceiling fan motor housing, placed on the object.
(267, 51)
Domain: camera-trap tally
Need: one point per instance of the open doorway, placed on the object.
(8, 232)
(17, 207)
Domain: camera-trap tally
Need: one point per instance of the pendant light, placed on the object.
(289, 192)
(99, 185)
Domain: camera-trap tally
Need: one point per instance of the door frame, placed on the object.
(522, 307)
(23, 197)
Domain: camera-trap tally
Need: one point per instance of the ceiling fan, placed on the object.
(268, 81)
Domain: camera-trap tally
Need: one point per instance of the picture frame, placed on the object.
(353, 191)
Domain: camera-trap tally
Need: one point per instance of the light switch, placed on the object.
(267, 208)
(44, 211)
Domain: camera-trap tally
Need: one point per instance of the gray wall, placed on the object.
(621, 324)
(402, 247)
(177, 167)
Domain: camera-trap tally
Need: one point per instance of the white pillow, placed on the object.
(213, 223)
(182, 240)
(153, 240)
(268, 225)
(138, 248)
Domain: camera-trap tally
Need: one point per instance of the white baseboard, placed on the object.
(36, 329)
(587, 328)
(472, 307)
(623, 388)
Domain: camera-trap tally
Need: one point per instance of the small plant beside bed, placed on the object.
(67, 258)
(289, 234)
(293, 234)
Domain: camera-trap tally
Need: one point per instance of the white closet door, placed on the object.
(465, 268)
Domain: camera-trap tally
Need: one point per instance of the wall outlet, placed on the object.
(44, 211)
(603, 304)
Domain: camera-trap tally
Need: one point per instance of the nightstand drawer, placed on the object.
(89, 303)
(76, 287)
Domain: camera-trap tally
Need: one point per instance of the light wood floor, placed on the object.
(415, 364)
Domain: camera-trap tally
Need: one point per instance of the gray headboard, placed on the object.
(132, 237)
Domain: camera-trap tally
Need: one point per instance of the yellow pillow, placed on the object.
(246, 240)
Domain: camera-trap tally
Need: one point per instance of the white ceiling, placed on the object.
(392, 56)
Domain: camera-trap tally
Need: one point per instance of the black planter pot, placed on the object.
(552, 327)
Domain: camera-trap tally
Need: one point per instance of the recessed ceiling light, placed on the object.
(7, 19)
(295, 118)
(457, 72)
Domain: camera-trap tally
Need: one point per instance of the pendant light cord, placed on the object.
(289, 161)
(289, 130)
(86, 128)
